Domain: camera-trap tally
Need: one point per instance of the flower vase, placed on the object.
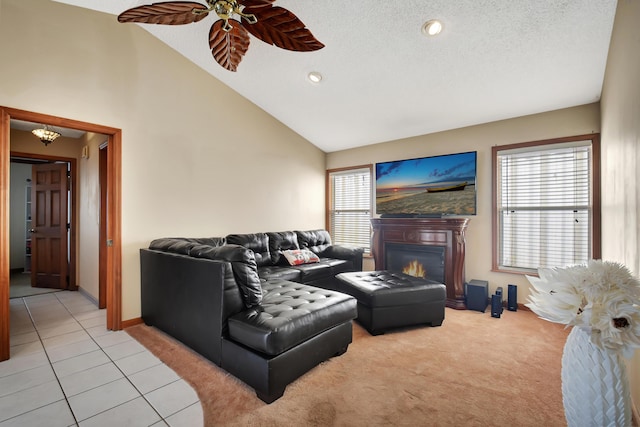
(595, 386)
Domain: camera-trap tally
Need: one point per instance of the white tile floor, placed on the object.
(67, 369)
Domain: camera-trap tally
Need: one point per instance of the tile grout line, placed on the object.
(116, 366)
(50, 363)
(30, 313)
(66, 397)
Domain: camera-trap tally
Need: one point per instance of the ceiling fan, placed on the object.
(229, 36)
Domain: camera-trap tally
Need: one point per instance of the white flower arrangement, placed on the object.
(600, 297)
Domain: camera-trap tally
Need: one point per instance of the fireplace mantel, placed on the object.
(446, 232)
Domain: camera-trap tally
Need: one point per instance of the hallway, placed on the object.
(20, 286)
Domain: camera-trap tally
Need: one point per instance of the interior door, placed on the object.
(49, 196)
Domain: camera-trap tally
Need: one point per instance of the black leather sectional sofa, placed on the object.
(238, 302)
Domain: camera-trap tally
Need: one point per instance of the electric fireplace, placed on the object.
(433, 248)
(422, 261)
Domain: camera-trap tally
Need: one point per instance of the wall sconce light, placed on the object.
(46, 134)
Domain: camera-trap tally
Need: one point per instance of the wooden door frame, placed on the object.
(102, 250)
(73, 284)
(114, 224)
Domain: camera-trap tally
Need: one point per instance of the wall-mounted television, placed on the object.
(427, 186)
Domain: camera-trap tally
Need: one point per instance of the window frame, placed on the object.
(595, 193)
(329, 197)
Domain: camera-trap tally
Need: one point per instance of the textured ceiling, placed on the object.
(383, 80)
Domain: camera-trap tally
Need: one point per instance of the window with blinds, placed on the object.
(544, 205)
(349, 211)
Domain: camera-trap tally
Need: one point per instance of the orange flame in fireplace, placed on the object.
(415, 269)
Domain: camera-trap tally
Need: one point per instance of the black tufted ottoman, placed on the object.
(388, 300)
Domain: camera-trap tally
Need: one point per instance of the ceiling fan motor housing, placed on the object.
(225, 8)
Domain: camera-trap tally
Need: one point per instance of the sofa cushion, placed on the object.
(337, 265)
(313, 272)
(183, 245)
(257, 242)
(290, 313)
(315, 240)
(270, 272)
(211, 241)
(281, 241)
(300, 256)
(244, 268)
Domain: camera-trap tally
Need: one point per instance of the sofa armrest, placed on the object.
(189, 299)
(242, 260)
(349, 253)
(244, 267)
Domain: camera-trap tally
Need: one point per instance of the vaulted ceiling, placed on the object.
(383, 79)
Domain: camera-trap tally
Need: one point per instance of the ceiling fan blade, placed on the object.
(279, 27)
(228, 47)
(167, 13)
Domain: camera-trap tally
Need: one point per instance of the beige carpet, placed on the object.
(474, 370)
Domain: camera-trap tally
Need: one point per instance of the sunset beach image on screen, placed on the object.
(434, 186)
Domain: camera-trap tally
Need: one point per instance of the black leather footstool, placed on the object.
(389, 300)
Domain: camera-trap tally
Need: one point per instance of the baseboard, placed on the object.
(16, 270)
(131, 322)
(88, 296)
(504, 305)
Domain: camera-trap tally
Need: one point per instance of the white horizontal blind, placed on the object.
(350, 210)
(545, 205)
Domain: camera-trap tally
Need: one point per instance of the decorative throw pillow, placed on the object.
(300, 256)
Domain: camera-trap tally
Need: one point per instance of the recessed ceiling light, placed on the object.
(432, 28)
(314, 77)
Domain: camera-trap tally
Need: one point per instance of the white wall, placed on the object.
(621, 152)
(19, 173)
(572, 121)
(197, 158)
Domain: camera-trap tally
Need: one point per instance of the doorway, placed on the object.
(112, 243)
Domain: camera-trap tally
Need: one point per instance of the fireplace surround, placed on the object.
(434, 236)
